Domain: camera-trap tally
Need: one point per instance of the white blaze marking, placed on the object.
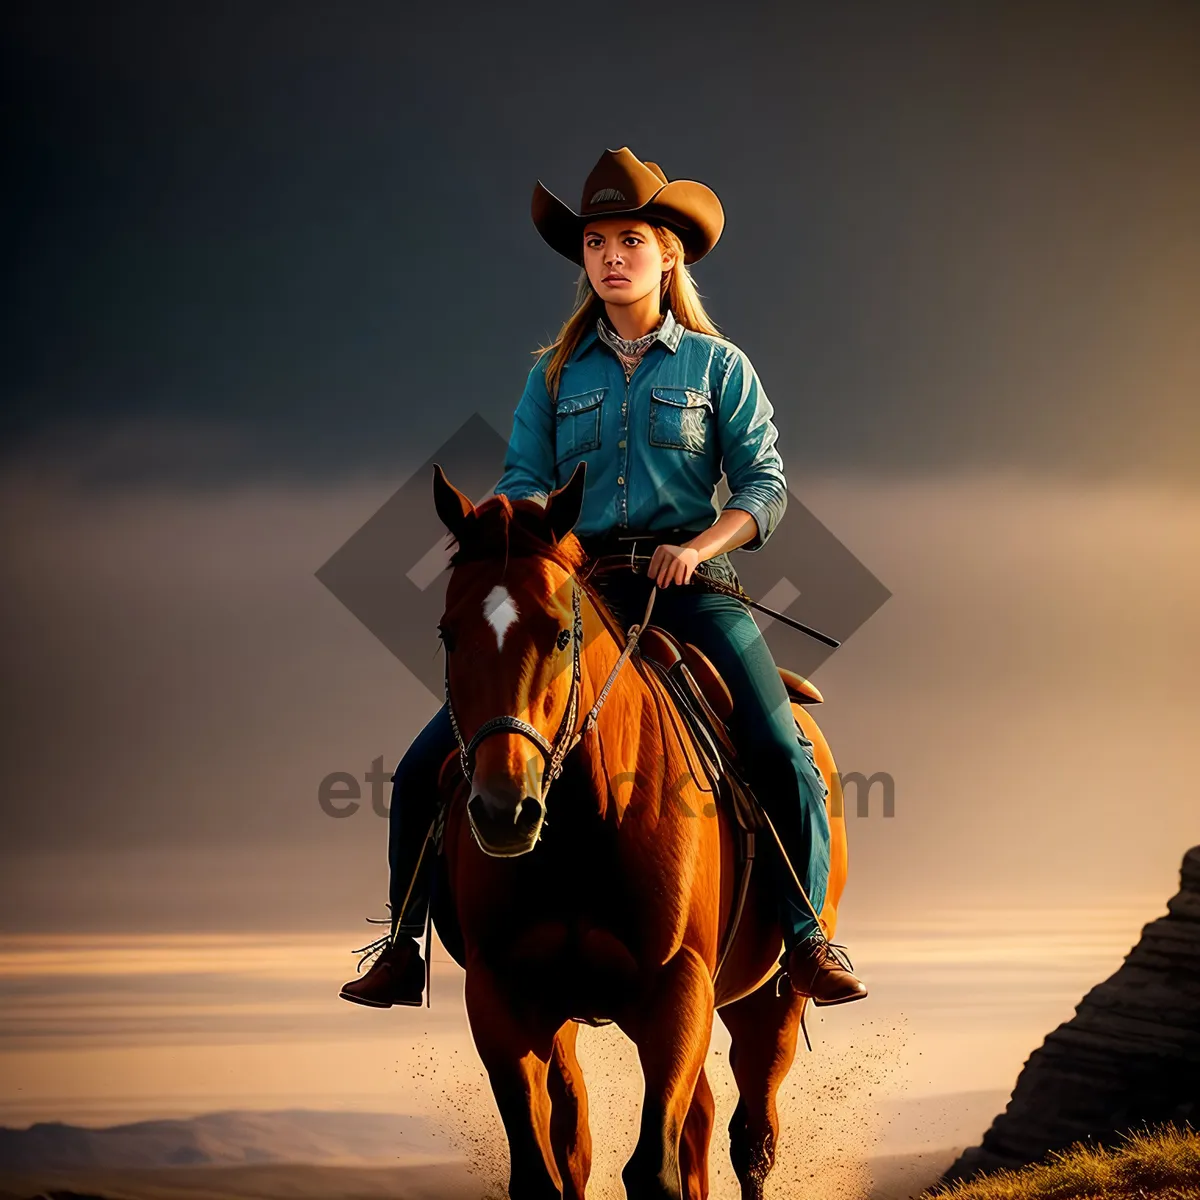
(500, 612)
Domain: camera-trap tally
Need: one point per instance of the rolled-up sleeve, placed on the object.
(751, 462)
(529, 461)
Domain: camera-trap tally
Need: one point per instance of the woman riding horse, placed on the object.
(640, 385)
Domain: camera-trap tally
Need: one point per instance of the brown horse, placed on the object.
(606, 897)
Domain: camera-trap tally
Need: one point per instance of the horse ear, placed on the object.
(563, 505)
(452, 506)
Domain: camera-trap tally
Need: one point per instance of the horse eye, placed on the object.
(564, 639)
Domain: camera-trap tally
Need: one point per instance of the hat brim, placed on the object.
(688, 208)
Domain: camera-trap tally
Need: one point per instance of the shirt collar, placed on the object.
(670, 333)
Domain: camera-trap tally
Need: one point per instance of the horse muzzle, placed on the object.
(505, 826)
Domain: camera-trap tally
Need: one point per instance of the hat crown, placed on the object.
(622, 183)
(619, 182)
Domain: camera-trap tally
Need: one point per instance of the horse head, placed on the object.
(512, 634)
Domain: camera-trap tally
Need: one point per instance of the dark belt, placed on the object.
(634, 541)
(614, 546)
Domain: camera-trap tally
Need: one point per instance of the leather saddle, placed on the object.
(698, 682)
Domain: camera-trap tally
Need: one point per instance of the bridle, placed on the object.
(566, 737)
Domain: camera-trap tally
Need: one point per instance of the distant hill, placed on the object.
(896, 1177)
(227, 1139)
(448, 1181)
(304, 1154)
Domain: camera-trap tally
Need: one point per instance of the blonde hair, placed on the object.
(677, 292)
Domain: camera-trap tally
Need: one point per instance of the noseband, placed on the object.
(566, 737)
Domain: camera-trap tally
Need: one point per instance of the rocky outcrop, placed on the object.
(1130, 1055)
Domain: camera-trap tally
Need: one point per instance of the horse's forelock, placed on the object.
(501, 529)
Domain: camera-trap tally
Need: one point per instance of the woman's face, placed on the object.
(623, 259)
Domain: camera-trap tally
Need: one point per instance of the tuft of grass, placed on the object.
(1157, 1162)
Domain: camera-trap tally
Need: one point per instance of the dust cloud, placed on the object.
(831, 1111)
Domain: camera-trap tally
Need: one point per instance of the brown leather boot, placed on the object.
(822, 970)
(397, 976)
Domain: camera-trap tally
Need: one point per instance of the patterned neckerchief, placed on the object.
(628, 350)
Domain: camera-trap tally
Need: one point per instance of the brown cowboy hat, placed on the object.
(620, 184)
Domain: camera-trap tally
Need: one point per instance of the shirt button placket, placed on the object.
(623, 446)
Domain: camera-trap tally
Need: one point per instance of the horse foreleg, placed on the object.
(764, 1028)
(671, 1028)
(517, 1059)
(693, 1146)
(570, 1135)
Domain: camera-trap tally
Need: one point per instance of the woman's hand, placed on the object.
(673, 564)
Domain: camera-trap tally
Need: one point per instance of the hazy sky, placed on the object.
(264, 260)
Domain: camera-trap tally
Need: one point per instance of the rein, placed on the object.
(566, 737)
(631, 561)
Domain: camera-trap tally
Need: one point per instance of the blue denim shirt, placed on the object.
(655, 446)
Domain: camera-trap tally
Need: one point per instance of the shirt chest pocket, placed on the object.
(680, 418)
(577, 423)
